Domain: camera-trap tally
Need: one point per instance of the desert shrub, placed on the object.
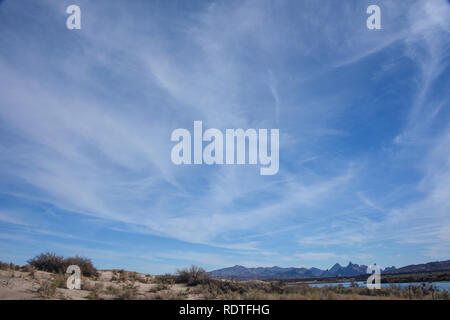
(98, 287)
(225, 289)
(47, 289)
(255, 294)
(95, 291)
(92, 296)
(276, 287)
(123, 275)
(159, 287)
(193, 276)
(87, 285)
(4, 266)
(142, 279)
(165, 279)
(114, 291)
(26, 268)
(128, 292)
(85, 264)
(442, 295)
(115, 276)
(330, 295)
(33, 274)
(60, 281)
(132, 276)
(168, 295)
(49, 262)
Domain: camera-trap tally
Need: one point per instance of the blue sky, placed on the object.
(86, 117)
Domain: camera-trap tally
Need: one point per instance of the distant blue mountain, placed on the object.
(266, 273)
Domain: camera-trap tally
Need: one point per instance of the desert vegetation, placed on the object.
(51, 262)
(199, 283)
(44, 278)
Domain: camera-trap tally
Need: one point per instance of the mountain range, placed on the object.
(264, 273)
(424, 267)
(270, 273)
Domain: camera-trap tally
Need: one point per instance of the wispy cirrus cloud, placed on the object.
(86, 119)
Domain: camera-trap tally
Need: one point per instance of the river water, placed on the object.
(438, 285)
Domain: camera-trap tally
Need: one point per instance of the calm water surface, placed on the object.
(438, 285)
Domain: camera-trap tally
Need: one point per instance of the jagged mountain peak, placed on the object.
(275, 272)
(336, 267)
(352, 269)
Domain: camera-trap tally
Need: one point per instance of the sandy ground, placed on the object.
(110, 284)
(120, 284)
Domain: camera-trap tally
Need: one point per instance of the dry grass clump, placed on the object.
(115, 276)
(4, 266)
(142, 278)
(136, 277)
(47, 289)
(11, 266)
(159, 287)
(95, 291)
(165, 279)
(60, 281)
(27, 268)
(122, 276)
(112, 290)
(169, 295)
(128, 292)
